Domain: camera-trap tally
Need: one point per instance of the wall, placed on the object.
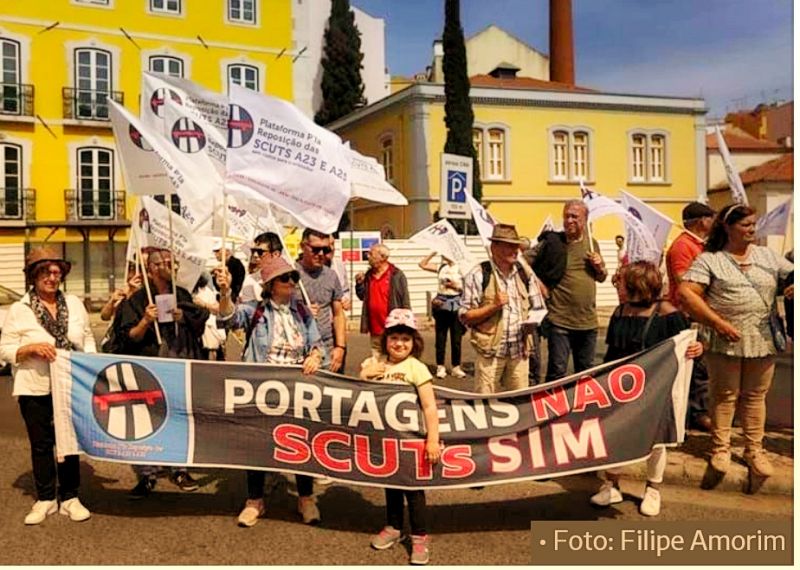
(741, 161)
(488, 48)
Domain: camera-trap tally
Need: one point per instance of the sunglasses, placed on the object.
(257, 251)
(320, 249)
(286, 277)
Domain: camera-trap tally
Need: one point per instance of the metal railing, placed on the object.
(88, 105)
(94, 204)
(17, 204)
(16, 99)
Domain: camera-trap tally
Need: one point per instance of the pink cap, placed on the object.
(401, 318)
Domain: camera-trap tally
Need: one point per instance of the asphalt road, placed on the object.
(487, 527)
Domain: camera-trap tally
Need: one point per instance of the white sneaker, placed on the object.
(441, 372)
(651, 503)
(608, 495)
(458, 372)
(40, 510)
(74, 510)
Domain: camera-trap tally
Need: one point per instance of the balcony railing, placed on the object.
(16, 99)
(17, 204)
(94, 204)
(87, 105)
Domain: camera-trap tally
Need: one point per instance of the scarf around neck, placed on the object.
(56, 327)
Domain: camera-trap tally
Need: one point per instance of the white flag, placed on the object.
(547, 226)
(369, 181)
(483, 220)
(774, 222)
(735, 183)
(162, 161)
(190, 249)
(281, 154)
(659, 224)
(600, 206)
(443, 238)
(640, 243)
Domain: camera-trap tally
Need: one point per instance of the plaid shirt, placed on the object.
(512, 343)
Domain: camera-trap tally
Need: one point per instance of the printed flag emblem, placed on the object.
(157, 100)
(128, 401)
(188, 136)
(138, 139)
(240, 127)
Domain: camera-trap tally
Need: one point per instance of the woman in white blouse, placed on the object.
(730, 289)
(445, 313)
(42, 321)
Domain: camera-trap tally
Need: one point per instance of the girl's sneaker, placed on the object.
(457, 372)
(420, 549)
(386, 538)
(441, 372)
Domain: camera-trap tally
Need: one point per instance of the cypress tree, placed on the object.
(458, 115)
(342, 88)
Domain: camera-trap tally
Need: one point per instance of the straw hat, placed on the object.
(44, 254)
(506, 233)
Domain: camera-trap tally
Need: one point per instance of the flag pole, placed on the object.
(146, 282)
(172, 259)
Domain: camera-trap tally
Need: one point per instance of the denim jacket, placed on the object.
(261, 338)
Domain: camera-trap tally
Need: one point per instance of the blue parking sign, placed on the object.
(456, 184)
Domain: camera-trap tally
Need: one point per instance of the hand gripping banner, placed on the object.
(209, 414)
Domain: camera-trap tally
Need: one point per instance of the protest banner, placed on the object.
(443, 238)
(239, 415)
(151, 228)
(288, 159)
(734, 181)
(368, 181)
(657, 223)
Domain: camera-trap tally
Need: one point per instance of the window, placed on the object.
(242, 11)
(10, 94)
(387, 158)
(166, 64)
(10, 181)
(496, 154)
(244, 75)
(166, 6)
(570, 154)
(477, 142)
(648, 156)
(95, 183)
(92, 83)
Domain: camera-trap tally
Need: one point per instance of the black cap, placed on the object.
(696, 210)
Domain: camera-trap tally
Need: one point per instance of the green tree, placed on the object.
(458, 115)
(342, 88)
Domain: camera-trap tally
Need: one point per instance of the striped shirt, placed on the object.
(512, 343)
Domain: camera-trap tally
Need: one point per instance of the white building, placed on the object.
(310, 19)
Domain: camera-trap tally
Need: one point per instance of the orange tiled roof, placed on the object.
(524, 83)
(739, 140)
(779, 169)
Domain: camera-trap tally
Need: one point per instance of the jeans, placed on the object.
(255, 484)
(535, 358)
(560, 342)
(447, 321)
(698, 391)
(417, 512)
(746, 380)
(37, 412)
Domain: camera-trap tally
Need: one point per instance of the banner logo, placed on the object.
(188, 136)
(157, 100)
(138, 139)
(240, 127)
(128, 401)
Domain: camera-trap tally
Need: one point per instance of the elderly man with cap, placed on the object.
(498, 297)
(697, 221)
(44, 320)
(570, 266)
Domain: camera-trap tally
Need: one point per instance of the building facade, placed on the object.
(535, 140)
(60, 177)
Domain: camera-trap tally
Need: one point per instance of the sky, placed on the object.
(733, 53)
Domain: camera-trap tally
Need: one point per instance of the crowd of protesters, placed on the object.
(287, 313)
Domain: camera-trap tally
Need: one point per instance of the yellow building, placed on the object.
(60, 178)
(535, 139)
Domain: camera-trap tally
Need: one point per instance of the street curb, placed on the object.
(689, 471)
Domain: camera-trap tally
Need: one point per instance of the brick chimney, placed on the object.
(562, 56)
